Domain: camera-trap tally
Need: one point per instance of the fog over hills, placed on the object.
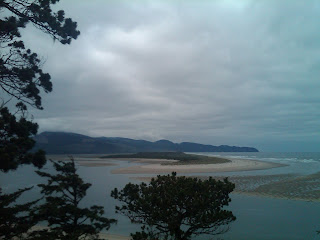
(73, 143)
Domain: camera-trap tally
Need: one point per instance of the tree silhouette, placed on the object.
(16, 141)
(15, 219)
(21, 81)
(61, 208)
(21, 76)
(172, 207)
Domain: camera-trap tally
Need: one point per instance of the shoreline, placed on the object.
(234, 165)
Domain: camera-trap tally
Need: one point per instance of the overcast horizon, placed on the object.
(243, 73)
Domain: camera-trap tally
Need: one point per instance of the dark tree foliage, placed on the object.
(20, 72)
(16, 141)
(61, 209)
(15, 219)
(22, 80)
(21, 76)
(172, 207)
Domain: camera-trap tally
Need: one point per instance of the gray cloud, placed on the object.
(217, 72)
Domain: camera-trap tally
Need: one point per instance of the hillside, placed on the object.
(73, 143)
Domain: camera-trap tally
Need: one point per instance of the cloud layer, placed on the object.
(216, 72)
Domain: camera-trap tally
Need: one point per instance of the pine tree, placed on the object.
(15, 220)
(61, 208)
(16, 142)
(178, 208)
(22, 81)
(21, 77)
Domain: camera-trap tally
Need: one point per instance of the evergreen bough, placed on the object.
(178, 208)
(15, 219)
(61, 209)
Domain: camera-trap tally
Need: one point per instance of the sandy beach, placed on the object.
(234, 165)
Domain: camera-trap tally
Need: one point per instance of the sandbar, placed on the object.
(95, 164)
(234, 165)
(107, 162)
(86, 161)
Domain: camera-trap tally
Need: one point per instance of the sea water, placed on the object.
(257, 217)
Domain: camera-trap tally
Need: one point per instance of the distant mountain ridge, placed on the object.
(73, 143)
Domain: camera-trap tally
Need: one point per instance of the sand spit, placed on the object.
(107, 162)
(146, 160)
(85, 161)
(95, 164)
(233, 165)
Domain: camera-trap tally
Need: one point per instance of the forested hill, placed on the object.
(72, 143)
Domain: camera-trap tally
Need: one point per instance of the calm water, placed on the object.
(257, 217)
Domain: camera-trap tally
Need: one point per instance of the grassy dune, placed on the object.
(182, 158)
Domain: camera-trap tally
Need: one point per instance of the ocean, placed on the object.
(258, 218)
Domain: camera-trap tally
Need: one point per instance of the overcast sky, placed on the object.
(242, 73)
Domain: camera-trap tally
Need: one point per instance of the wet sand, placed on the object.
(107, 162)
(234, 165)
(86, 161)
(160, 166)
(94, 164)
(284, 186)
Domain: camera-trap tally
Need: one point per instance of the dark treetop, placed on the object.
(21, 75)
(172, 207)
(62, 210)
